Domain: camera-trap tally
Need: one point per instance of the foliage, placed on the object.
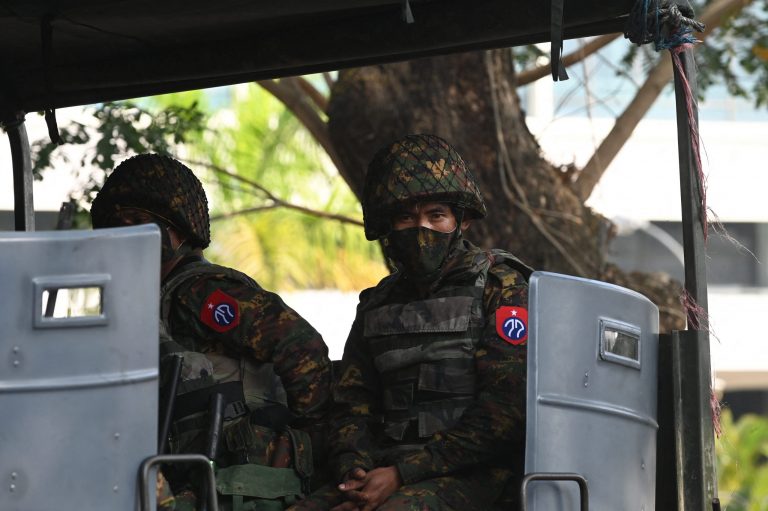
(527, 55)
(742, 452)
(265, 144)
(738, 57)
(285, 249)
(734, 57)
(117, 131)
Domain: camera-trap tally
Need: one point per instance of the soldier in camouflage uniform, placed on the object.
(430, 402)
(236, 340)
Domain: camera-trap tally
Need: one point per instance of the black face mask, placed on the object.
(420, 251)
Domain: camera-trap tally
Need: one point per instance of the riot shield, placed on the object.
(78, 388)
(591, 395)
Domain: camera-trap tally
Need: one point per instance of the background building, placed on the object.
(640, 191)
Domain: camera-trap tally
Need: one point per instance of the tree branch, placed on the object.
(329, 81)
(291, 95)
(595, 44)
(312, 212)
(232, 214)
(315, 95)
(276, 201)
(713, 16)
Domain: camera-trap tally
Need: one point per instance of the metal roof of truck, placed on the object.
(63, 53)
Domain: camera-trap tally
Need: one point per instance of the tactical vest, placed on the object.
(424, 351)
(259, 466)
(260, 385)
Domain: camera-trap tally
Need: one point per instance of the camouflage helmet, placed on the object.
(416, 168)
(160, 185)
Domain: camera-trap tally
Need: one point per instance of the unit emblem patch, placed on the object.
(220, 311)
(512, 324)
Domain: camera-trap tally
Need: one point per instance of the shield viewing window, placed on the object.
(71, 300)
(620, 343)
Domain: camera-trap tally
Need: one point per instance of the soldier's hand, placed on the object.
(354, 480)
(379, 484)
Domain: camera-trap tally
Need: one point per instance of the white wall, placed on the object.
(642, 184)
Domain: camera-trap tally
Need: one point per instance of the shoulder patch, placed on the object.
(512, 324)
(220, 311)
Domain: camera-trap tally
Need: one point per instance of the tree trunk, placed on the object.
(470, 100)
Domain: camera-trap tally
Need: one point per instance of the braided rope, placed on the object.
(663, 23)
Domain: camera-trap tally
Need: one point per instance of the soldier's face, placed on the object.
(131, 216)
(432, 215)
(171, 239)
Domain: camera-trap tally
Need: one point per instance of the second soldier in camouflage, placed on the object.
(430, 404)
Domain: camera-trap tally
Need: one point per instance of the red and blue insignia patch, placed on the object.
(512, 324)
(220, 311)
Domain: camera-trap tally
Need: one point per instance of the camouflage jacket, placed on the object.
(259, 326)
(489, 432)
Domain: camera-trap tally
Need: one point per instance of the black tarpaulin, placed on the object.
(99, 50)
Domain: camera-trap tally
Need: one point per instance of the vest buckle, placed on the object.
(234, 410)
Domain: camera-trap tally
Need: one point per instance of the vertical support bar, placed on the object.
(694, 438)
(666, 468)
(690, 187)
(696, 463)
(23, 207)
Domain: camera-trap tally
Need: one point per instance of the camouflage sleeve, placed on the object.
(493, 427)
(355, 395)
(259, 325)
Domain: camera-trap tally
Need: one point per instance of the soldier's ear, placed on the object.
(177, 238)
(465, 224)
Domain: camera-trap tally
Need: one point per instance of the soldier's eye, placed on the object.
(438, 215)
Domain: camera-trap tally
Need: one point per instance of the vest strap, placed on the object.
(433, 315)
(436, 351)
(197, 400)
(302, 454)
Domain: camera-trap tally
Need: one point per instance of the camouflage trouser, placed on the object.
(472, 492)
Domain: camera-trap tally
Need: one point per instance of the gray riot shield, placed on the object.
(592, 369)
(79, 379)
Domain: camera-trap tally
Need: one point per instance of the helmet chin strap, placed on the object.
(169, 252)
(459, 214)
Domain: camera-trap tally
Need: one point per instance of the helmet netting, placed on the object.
(160, 185)
(416, 168)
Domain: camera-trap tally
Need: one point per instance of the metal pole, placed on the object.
(696, 461)
(168, 400)
(23, 208)
(666, 439)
